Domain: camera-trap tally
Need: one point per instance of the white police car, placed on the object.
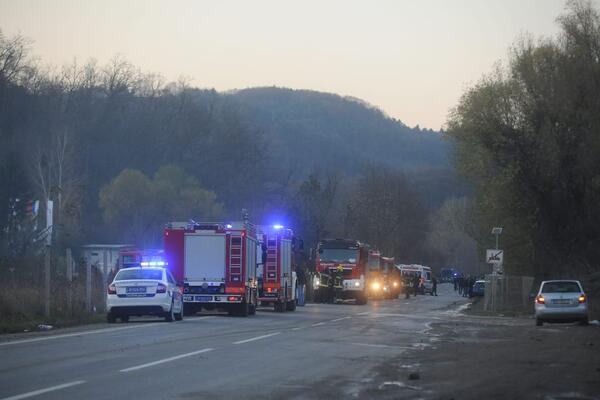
(144, 291)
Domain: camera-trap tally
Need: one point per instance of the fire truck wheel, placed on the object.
(110, 318)
(243, 309)
(279, 306)
(169, 315)
(291, 305)
(361, 299)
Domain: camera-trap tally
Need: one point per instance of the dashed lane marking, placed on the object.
(256, 338)
(340, 319)
(42, 391)
(318, 324)
(165, 360)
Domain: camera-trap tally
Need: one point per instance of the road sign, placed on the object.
(494, 256)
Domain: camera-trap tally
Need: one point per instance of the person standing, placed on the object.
(433, 286)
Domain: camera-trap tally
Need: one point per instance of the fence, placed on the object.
(507, 293)
(40, 287)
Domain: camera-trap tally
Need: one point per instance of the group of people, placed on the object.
(464, 285)
(416, 284)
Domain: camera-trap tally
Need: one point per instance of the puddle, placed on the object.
(401, 385)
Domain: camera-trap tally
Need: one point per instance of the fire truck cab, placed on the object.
(341, 271)
(276, 273)
(216, 264)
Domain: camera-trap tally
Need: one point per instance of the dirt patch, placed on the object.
(489, 359)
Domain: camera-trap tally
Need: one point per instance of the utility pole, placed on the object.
(47, 282)
(69, 281)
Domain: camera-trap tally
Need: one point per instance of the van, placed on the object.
(412, 270)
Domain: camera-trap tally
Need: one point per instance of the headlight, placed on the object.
(357, 284)
(395, 284)
(376, 286)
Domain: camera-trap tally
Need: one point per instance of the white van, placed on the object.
(413, 270)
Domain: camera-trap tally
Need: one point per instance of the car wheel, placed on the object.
(179, 315)
(124, 318)
(291, 305)
(169, 315)
(584, 321)
(539, 322)
(110, 318)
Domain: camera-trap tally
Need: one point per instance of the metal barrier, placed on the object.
(507, 292)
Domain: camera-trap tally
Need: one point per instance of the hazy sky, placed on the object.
(413, 59)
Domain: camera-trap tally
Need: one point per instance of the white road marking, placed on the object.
(165, 360)
(381, 345)
(318, 324)
(296, 328)
(340, 319)
(256, 338)
(42, 391)
(66, 335)
(364, 313)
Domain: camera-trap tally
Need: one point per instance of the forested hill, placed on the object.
(313, 129)
(121, 153)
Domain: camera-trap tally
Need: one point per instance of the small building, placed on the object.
(103, 256)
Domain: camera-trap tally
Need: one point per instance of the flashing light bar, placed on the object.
(277, 226)
(153, 263)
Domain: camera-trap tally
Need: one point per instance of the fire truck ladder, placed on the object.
(271, 264)
(235, 259)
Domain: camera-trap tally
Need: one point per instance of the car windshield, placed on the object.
(128, 274)
(339, 255)
(561, 287)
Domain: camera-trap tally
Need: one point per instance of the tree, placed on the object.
(387, 214)
(136, 207)
(528, 137)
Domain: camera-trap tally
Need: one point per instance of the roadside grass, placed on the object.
(30, 324)
(476, 308)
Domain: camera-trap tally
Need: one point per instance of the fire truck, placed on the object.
(392, 278)
(340, 271)
(375, 283)
(216, 264)
(277, 272)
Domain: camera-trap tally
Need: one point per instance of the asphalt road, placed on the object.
(318, 351)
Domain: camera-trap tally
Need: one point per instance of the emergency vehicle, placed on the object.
(422, 272)
(134, 257)
(375, 283)
(341, 271)
(391, 278)
(215, 263)
(276, 273)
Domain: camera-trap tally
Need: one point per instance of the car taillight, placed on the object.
(540, 299)
(582, 298)
(232, 298)
(112, 289)
(161, 288)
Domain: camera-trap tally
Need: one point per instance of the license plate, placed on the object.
(136, 289)
(561, 301)
(203, 298)
(188, 298)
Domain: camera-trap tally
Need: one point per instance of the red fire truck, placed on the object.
(376, 282)
(216, 263)
(392, 281)
(277, 273)
(341, 271)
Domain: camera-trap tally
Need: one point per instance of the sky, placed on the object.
(411, 58)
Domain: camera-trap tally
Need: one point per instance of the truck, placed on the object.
(276, 274)
(375, 282)
(215, 263)
(340, 271)
(392, 278)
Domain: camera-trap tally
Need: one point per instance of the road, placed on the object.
(318, 351)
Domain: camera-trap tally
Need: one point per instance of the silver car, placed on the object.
(561, 301)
